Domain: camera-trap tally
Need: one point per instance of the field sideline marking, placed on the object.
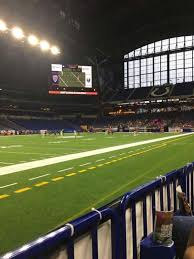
(31, 179)
(5, 186)
(55, 160)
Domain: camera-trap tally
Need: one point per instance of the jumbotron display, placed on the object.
(71, 79)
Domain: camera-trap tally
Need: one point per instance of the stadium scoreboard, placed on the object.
(71, 79)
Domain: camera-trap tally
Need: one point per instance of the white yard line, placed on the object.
(41, 176)
(100, 160)
(66, 169)
(85, 164)
(112, 156)
(12, 184)
(55, 160)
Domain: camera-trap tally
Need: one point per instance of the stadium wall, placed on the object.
(115, 230)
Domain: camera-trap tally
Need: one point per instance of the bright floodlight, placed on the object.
(33, 40)
(3, 26)
(44, 45)
(17, 33)
(55, 50)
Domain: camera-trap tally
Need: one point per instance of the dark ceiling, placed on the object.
(87, 28)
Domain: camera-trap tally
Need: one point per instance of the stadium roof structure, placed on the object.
(86, 28)
(113, 27)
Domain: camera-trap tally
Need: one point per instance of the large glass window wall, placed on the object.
(165, 61)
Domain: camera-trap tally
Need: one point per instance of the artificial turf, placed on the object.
(61, 195)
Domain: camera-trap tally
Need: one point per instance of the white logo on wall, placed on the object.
(159, 92)
(56, 67)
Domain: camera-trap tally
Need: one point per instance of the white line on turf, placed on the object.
(112, 156)
(85, 164)
(66, 169)
(55, 160)
(40, 176)
(12, 184)
(100, 160)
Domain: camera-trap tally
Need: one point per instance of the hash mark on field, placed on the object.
(91, 168)
(112, 156)
(4, 196)
(82, 171)
(85, 164)
(8, 185)
(100, 165)
(68, 175)
(100, 160)
(130, 152)
(23, 190)
(121, 154)
(66, 169)
(58, 179)
(41, 184)
(31, 179)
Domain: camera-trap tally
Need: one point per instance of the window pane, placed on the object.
(164, 76)
(163, 66)
(157, 67)
(130, 64)
(188, 54)
(180, 42)
(143, 70)
(125, 65)
(144, 50)
(143, 62)
(126, 56)
(180, 55)
(151, 48)
(172, 64)
(156, 76)
(164, 58)
(156, 60)
(172, 57)
(150, 61)
(188, 63)
(165, 45)
(180, 63)
(173, 43)
(137, 63)
(131, 72)
(188, 41)
(180, 75)
(137, 52)
(131, 54)
(158, 45)
(137, 71)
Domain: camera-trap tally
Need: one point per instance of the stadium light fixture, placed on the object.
(44, 45)
(3, 26)
(55, 50)
(33, 40)
(17, 33)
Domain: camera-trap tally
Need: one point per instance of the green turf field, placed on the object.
(35, 201)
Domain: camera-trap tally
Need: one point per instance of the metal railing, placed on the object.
(113, 231)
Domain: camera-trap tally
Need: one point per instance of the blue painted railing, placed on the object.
(113, 231)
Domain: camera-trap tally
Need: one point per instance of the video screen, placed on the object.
(71, 79)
